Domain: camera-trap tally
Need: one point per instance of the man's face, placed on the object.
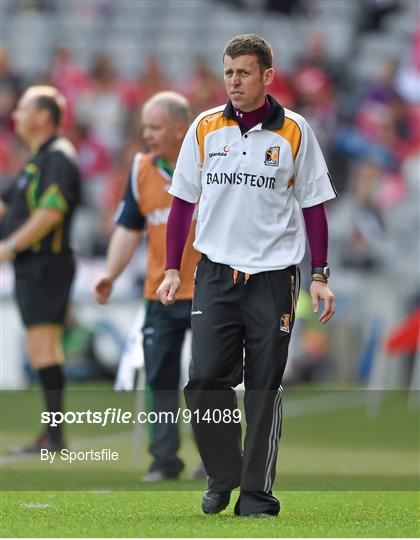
(161, 134)
(245, 83)
(26, 116)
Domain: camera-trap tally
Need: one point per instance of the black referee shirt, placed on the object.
(50, 179)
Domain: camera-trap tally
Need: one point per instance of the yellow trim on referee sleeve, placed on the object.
(53, 198)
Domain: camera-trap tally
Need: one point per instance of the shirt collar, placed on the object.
(164, 166)
(274, 120)
(46, 143)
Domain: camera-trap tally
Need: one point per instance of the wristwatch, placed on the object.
(321, 274)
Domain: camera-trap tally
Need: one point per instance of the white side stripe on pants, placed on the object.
(297, 287)
(273, 440)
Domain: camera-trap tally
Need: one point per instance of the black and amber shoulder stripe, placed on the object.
(292, 133)
(208, 124)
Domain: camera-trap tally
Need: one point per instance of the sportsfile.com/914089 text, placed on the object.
(118, 416)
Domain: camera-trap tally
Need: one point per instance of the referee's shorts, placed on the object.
(42, 287)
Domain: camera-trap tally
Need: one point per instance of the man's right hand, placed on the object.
(167, 289)
(102, 289)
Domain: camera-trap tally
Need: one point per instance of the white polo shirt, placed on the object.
(251, 187)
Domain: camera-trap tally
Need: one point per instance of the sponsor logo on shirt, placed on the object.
(253, 180)
(226, 149)
(272, 156)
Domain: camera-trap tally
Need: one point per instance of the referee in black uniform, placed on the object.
(36, 211)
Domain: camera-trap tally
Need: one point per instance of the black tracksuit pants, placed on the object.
(163, 336)
(233, 313)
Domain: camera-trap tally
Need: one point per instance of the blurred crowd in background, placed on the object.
(368, 126)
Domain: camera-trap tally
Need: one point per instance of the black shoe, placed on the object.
(215, 501)
(45, 441)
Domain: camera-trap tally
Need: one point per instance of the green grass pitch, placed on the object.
(341, 472)
(177, 514)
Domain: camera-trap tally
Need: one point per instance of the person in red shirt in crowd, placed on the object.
(94, 158)
(149, 82)
(282, 89)
(204, 90)
(102, 106)
(316, 101)
(67, 75)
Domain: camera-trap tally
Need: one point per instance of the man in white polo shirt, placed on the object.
(260, 179)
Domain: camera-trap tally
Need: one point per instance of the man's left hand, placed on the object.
(321, 291)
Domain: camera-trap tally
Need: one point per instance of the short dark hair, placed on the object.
(51, 105)
(250, 44)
